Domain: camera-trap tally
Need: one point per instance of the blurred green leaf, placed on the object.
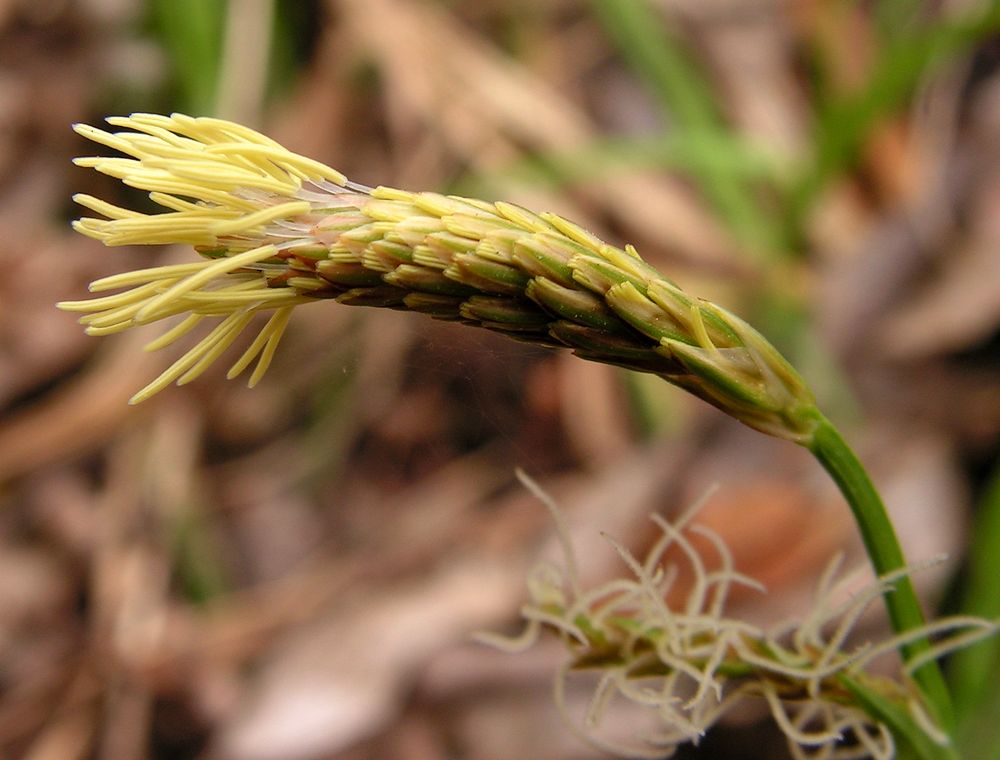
(893, 17)
(200, 574)
(844, 124)
(912, 742)
(191, 32)
(653, 412)
(974, 673)
(291, 44)
(647, 46)
(690, 108)
(605, 156)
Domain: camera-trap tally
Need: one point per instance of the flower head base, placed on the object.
(689, 666)
(278, 230)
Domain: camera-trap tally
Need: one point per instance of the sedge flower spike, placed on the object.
(277, 230)
(688, 663)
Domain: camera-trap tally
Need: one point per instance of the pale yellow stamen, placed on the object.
(155, 131)
(250, 221)
(209, 357)
(225, 187)
(697, 323)
(275, 329)
(221, 332)
(122, 314)
(267, 339)
(175, 333)
(110, 302)
(205, 275)
(104, 208)
(222, 175)
(102, 137)
(110, 329)
(92, 228)
(151, 274)
(301, 166)
(178, 204)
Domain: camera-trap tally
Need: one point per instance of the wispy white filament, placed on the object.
(688, 666)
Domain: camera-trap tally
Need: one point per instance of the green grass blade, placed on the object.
(191, 34)
(686, 97)
(974, 673)
(911, 741)
(200, 573)
(606, 156)
(646, 46)
(845, 124)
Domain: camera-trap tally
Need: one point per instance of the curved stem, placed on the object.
(910, 739)
(885, 554)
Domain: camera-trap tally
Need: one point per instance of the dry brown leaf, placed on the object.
(960, 308)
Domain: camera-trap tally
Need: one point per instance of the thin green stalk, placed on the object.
(972, 672)
(886, 556)
(910, 739)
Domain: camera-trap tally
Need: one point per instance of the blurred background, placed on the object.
(295, 572)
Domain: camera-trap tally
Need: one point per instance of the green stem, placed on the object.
(911, 741)
(885, 554)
